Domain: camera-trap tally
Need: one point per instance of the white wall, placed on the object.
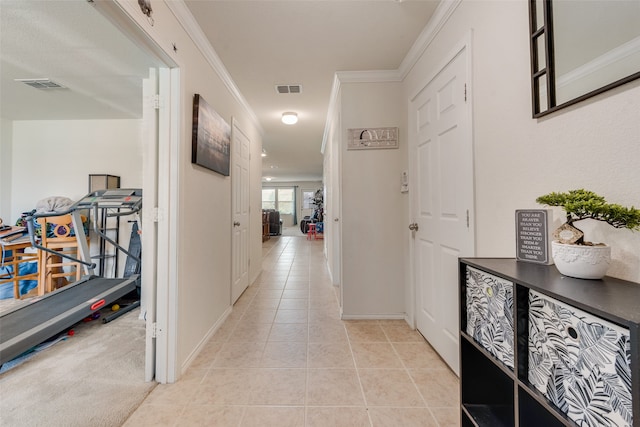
(55, 158)
(203, 197)
(6, 130)
(594, 144)
(374, 212)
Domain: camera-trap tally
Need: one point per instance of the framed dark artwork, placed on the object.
(211, 139)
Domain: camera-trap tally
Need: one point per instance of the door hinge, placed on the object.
(467, 218)
(465, 92)
(154, 330)
(156, 101)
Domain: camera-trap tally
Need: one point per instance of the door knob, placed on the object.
(413, 226)
(236, 224)
(336, 219)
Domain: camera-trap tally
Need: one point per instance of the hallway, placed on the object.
(284, 358)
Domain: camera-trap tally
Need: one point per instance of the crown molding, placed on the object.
(441, 15)
(331, 111)
(373, 76)
(193, 30)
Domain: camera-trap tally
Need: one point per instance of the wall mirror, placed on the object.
(580, 48)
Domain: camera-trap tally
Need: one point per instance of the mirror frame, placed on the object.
(548, 71)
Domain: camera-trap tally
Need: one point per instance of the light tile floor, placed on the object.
(284, 358)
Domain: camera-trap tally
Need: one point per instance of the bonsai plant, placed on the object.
(572, 254)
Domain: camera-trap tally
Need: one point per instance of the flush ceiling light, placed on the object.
(289, 118)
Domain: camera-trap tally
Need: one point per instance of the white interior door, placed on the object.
(442, 203)
(334, 214)
(240, 149)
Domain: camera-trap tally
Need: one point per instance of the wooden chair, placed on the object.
(15, 260)
(55, 270)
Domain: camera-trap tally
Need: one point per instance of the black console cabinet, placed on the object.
(541, 349)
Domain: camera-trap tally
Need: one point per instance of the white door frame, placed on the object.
(466, 45)
(336, 210)
(240, 194)
(148, 225)
(167, 213)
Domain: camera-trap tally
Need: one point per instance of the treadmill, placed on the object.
(45, 316)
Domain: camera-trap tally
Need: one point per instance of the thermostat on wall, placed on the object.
(372, 138)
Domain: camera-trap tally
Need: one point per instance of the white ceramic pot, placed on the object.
(581, 261)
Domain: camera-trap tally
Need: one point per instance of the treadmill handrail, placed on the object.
(32, 237)
(109, 239)
(129, 209)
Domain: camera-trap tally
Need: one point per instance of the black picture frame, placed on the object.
(542, 51)
(211, 138)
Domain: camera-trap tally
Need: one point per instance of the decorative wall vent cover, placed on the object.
(41, 83)
(288, 88)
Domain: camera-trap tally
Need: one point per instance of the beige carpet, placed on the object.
(94, 378)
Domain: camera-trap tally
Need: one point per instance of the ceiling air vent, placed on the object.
(288, 88)
(41, 83)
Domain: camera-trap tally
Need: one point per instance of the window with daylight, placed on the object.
(285, 201)
(280, 199)
(268, 198)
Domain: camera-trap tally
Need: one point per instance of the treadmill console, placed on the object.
(114, 198)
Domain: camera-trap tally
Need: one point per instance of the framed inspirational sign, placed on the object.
(532, 235)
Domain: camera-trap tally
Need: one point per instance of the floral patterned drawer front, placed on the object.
(490, 313)
(580, 362)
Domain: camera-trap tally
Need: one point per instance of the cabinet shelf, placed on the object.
(554, 323)
(490, 415)
(507, 371)
(535, 409)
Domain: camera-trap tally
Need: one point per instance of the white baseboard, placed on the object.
(194, 354)
(398, 316)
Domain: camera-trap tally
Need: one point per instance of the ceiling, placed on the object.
(261, 43)
(267, 43)
(74, 45)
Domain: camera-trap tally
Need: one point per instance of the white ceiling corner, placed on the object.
(251, 44)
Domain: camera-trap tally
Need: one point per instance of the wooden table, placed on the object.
(17, 257)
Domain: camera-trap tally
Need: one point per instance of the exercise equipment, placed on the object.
(43, 317)
(131, 268)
